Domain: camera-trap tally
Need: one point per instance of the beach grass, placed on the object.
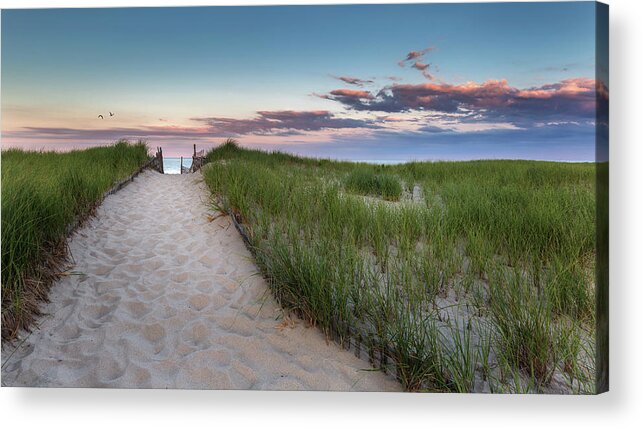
(367, 181)
(43, 193)
(483, 280)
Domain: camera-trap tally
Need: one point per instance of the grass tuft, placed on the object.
(485, 283)
(366, 181)
(42, 194)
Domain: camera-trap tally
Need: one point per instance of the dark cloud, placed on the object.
(431, 129)
(348, 97)
(424, 69)
(413, 55)
(353, 80)
(491, 100)
(111, 133)
(351, 93)
(420, 65)
(277, 122)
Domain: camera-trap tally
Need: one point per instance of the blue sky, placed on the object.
(481, 80)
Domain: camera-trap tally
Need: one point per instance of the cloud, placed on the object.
(393, 119)
(562, 143)
(416, 56)
(569, 87)
(110, 134)
(437, 107)
(266, 123)
(412, 55)
(353, 80)
(352, 93)
(424, 69)
(493, 99)
(420, 65)
(348, 97)
(283, 121)
(434, 129)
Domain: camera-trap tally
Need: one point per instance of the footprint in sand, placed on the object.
(168, 301)
(199, 301)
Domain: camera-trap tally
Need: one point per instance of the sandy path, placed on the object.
(167, 299)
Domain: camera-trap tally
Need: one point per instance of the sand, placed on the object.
(161, 296)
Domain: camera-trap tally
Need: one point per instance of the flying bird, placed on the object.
(101, 116)
(111, 114)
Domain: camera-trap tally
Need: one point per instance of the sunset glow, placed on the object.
(400, 82)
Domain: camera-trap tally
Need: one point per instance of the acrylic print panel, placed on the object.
(343, 198)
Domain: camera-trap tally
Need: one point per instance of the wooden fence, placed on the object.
(198, 160)
(157, 161)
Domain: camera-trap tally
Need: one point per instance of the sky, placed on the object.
(361, 82)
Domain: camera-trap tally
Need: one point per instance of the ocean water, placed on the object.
(173, 165)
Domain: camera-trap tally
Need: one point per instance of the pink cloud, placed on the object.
(568, 87)
(265, 123)
(424, 69)
(352, 93)
(492, 98)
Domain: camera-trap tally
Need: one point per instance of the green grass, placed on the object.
(42, 194)
(366, 181)
(484, 283)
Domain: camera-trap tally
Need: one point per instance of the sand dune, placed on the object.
(160, 297)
